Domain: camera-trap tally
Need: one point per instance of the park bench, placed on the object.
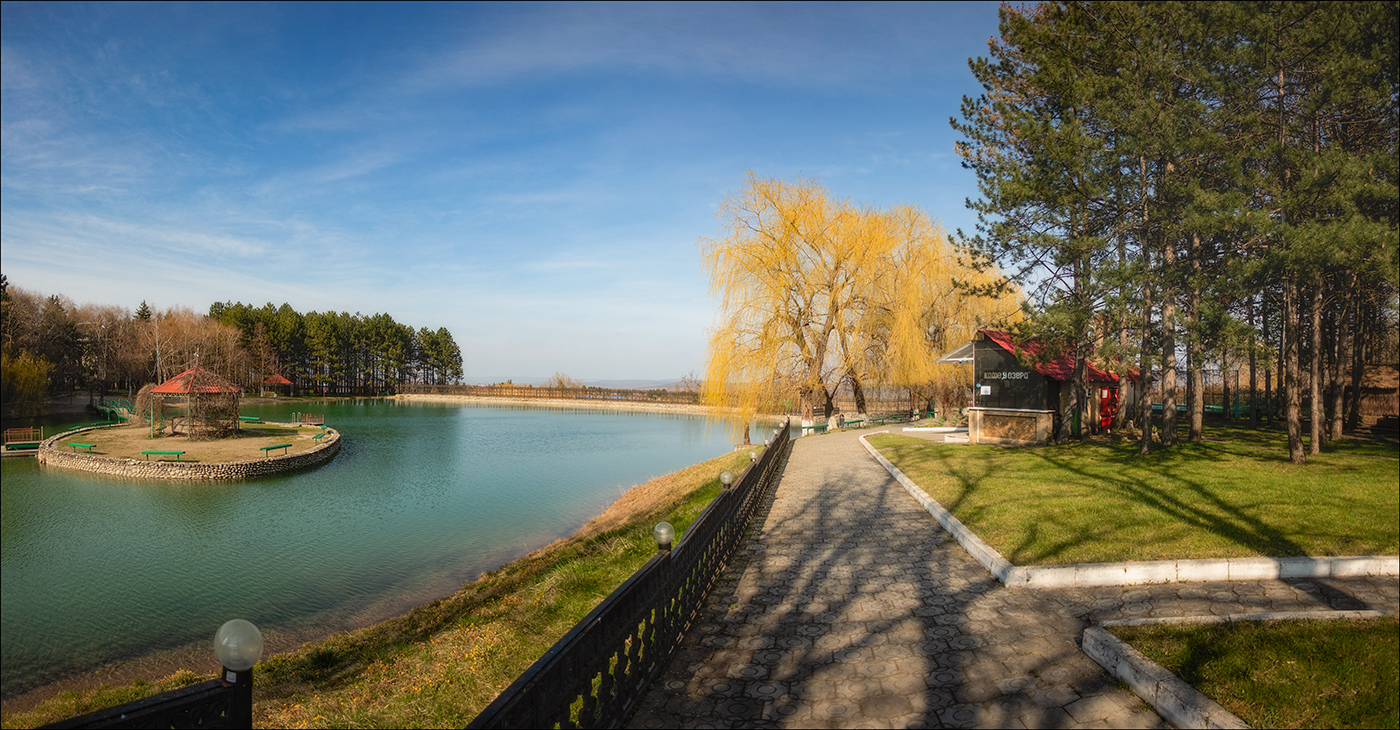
(821, 426)
(267, 450)
(77, 446)
(153, 452)
(251, 419)
(856, 423)
(317, 438)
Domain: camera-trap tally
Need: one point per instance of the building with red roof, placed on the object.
(1021, 388)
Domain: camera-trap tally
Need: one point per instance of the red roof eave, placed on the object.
(1062, 367)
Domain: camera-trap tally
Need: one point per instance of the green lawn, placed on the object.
(1323, 673)
(1233, 496)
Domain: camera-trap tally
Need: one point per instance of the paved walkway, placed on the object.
(851, 607)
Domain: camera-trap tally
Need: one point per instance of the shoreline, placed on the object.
(197, 657)
(577, 404)
(562, 403)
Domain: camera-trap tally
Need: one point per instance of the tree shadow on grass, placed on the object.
(1184, 501)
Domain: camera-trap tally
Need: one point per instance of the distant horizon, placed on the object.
(534, 178)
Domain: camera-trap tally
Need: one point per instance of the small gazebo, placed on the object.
(277, 381)
(211, 403)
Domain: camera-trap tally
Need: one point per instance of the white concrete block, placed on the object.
(1051, 576)
(1017, 577)
(1253, 568)
(1369, 565)
(1155, 571)
(1202, 570)
(1303, 568)
(1099, 574)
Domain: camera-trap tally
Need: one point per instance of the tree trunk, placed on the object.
(1358, 367)
(1342, 350)
(1292, 390)
(1144, 404)
(1268, 375)
(1316, 412)
(1195, 394)
(1253, 384)
(1168, 348)
(858, 392)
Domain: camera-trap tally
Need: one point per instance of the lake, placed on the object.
(422, 498)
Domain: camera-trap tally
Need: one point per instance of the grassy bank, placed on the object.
(443, 662)
(1323, 674)
(1234, 496)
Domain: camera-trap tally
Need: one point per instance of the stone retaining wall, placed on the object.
(51, 455)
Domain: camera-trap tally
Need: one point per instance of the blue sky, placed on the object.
(534, 177)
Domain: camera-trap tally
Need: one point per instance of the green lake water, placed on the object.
(421, 498)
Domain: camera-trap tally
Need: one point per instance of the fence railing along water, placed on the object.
(598, 672)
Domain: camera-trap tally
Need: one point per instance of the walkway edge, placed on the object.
(1176, 701)
(1086, 575)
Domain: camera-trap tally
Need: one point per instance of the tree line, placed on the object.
(49, 344)
(1212, 182)
(341, 353)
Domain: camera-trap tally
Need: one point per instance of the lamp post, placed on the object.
(239, 645)
(664, 534)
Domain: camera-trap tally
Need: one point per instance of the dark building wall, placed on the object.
(1013, 384)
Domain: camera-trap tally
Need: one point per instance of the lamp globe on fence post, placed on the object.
(239, 645)
(727, 479)
(753, 456)
(664, 534)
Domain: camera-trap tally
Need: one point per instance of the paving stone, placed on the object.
(849, 606)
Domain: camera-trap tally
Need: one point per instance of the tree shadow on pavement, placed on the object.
(848, 605)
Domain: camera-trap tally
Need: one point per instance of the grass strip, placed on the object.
(442, 663)
(1100, 501)
(1291, 674)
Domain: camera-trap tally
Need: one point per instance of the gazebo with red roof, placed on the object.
(211, 403)
(277, 381)
(1020, 393)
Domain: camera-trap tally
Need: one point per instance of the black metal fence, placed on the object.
(597, 673)
(212, 704)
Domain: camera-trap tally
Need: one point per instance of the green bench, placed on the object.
(151, 453)
(22, 445)
(267, 450)
(821, 426)
(251, 419)
(77, 446)
(317, 438)
(853, 424)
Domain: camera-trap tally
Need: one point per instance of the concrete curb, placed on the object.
(1086, 575)
(937, 429)
(1176, 701)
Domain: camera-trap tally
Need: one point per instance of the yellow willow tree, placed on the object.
(781, 275)
(816, 292)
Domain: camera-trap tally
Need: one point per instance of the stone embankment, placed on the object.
(51, 455)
